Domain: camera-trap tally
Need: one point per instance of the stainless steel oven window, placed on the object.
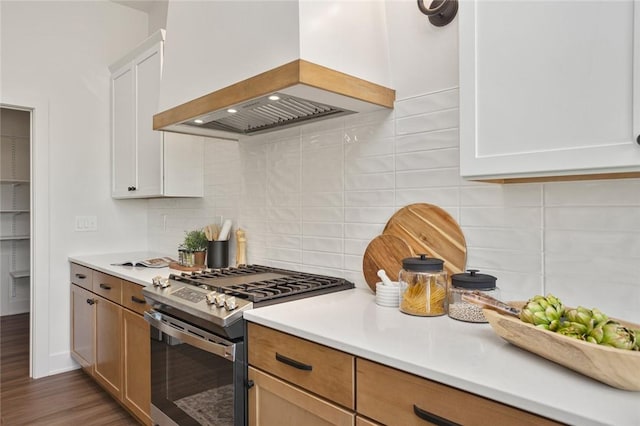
(197, 378)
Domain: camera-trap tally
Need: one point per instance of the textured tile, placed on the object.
(369, 198)
(624, 192)
(526, 195)
(616, 298)
(525, 239)
(323, 214)
(432, 102)
(441, 197)
(508, 217)
(601, 218)
(507, 260)
(437, 139)
(432, 178)
(367, 214)
(323, 260)
(322, 229)
(439, 120)
(616, 244)
(330, 245)
(434, 159)
(371, 164)
(355, 182)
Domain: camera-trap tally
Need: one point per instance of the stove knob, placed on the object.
(160, 282)
(219, 300)
(230, 303)
(211, 298)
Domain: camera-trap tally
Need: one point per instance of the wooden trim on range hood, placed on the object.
(291, 74)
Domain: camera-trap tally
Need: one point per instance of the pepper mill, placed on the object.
(241, 248)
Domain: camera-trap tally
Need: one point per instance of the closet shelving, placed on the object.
(15, 218)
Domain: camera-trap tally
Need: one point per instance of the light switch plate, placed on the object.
(86, 223)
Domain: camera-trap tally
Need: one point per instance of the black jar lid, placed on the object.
(471, 279)
(422, 264)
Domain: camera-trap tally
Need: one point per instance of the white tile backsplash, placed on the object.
(313, 197)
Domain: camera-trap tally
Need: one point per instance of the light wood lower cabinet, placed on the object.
(136, 354)
(390, 396)
(110, 338)
(294, 383)
(275, 402)
(361, 421)
(108, 346)
(82, 327)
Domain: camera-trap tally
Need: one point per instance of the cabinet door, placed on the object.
(108, 346)
(123, 144)
(136, 389)
(148, 69)
(391, 397)
(82, 327)
(549, 88)
(275, 402)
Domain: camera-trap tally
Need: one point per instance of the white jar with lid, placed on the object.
(469, 282)
(423, 286)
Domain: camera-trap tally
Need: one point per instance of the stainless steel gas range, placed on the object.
(198, 368)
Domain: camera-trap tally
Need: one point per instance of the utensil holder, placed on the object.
(218, 254)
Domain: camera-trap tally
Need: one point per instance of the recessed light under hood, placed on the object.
(290, 95)
(267, 113)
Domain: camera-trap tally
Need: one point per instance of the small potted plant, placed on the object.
(194, 247)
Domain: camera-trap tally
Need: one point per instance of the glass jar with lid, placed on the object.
(467, 283)
(423, 286)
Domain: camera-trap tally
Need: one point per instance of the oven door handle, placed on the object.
(224, 351)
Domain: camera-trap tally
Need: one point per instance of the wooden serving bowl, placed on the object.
(619, 368)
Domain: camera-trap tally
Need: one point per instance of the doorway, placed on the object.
(37, 230)
(15, 209)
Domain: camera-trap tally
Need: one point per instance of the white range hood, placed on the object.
(234, 68)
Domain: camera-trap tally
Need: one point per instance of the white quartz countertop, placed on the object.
(467, 356)
(139, 274)
(463, 355)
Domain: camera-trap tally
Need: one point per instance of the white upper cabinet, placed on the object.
(549, 88)
(148, 163)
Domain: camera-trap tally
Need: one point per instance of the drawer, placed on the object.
(107, 286)
(132, 297)
(82, 276)
(391, 396)
(316, 368)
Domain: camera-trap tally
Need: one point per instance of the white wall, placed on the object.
(58, 54)
(313, 197)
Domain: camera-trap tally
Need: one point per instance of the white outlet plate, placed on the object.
(86, 223)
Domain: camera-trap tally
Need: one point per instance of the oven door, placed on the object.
(197, 378)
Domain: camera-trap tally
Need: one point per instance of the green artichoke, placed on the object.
(618, 336)
(543, 312)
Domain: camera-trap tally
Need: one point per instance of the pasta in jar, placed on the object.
(423, 287)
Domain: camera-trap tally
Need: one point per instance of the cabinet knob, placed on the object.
(91, 301)
(131, 188)
(638, 139)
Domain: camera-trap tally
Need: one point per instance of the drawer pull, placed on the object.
(81, 276)
(91, 301)
(436, 420)
(105, 287)
(293, 363)
(137, 300)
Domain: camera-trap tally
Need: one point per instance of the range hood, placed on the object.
(317, 84)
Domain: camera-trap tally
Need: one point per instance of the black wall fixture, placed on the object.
(440, 12)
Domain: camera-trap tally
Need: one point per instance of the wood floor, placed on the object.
(70, 398)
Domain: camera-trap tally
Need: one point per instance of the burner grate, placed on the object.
(258, 283)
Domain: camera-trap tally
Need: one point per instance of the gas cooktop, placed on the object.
(219, 296)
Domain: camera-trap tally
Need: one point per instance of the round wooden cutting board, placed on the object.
(430, 230)
(384, 252)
